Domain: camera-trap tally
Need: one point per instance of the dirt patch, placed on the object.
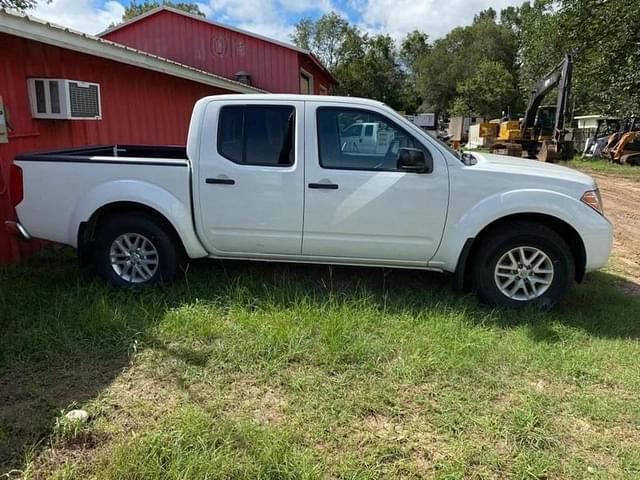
(621, 197)
(266, 404)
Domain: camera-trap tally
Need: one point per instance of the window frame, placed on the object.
(246, 106)
(309, 77)
(370, 112)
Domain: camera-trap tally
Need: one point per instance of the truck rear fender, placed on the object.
(176, 211)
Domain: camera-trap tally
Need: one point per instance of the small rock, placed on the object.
(77, 416)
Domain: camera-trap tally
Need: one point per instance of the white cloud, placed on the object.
(275, 18)
(301, 6)
(259, 17)
(271, 18)
(434, 17)
(82, 15)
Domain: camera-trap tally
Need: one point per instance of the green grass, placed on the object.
(277, 371)
(603, 166)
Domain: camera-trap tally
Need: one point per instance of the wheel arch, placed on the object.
(562, 228)
(87, 229)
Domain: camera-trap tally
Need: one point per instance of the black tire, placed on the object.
(522, 234)
(170, 256)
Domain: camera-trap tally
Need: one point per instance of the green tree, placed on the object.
(604, 38)
(489, 91)
(303, 33)
(135, 9)
(365, 66)
(456, 57)
(369, 68)
(413, 49)
(324, 37)
(20, 5)
(460, 108)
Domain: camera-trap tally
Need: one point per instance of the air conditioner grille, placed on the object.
(84, 100)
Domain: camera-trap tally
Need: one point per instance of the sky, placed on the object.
(276, 18)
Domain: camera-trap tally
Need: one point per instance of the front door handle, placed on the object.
(220, 181)
(327, 186)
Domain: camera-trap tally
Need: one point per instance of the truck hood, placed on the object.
(533, 168)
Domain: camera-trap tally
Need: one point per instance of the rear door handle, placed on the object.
(220, 181)
(326, 186)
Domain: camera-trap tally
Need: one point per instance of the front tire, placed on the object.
(521, 264)
(136, 249)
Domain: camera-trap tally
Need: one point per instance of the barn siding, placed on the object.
(220, 50)
(138, 106)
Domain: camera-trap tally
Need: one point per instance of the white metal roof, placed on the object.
(20, 25)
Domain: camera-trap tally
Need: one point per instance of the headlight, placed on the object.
(593, 199)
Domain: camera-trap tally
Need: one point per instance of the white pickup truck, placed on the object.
(266, 177)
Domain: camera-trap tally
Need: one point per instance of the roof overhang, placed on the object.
(24, 26)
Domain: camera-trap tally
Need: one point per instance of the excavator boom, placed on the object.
(560, 76)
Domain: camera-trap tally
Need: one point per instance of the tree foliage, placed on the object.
(135, 9)
(489, 91)
(324, 37)
(465, 57)
(20, 5)
(365, 66)
(491, 65)
(605, 40)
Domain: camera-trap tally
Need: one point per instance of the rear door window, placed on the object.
(257, 135)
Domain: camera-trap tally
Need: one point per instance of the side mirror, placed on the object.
(414, 160)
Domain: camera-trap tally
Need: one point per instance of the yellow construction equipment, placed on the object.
(541, 133)
(618, 153)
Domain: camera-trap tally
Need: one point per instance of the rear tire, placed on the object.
(136, 249)
(522, 264)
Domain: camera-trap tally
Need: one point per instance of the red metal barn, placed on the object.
(232, 53)
(144, 97)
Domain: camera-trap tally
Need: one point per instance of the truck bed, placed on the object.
(129, 154)
(62, 188)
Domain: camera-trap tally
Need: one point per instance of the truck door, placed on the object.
(249, 178)
(360, 206)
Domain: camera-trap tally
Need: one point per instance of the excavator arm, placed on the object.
(560, 76)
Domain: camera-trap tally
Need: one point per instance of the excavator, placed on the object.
(541, 132)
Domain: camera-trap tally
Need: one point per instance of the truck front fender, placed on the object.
(472, 220)
(175, 210)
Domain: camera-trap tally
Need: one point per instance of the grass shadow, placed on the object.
(65, 336)
(63, 339)
(604, 305)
